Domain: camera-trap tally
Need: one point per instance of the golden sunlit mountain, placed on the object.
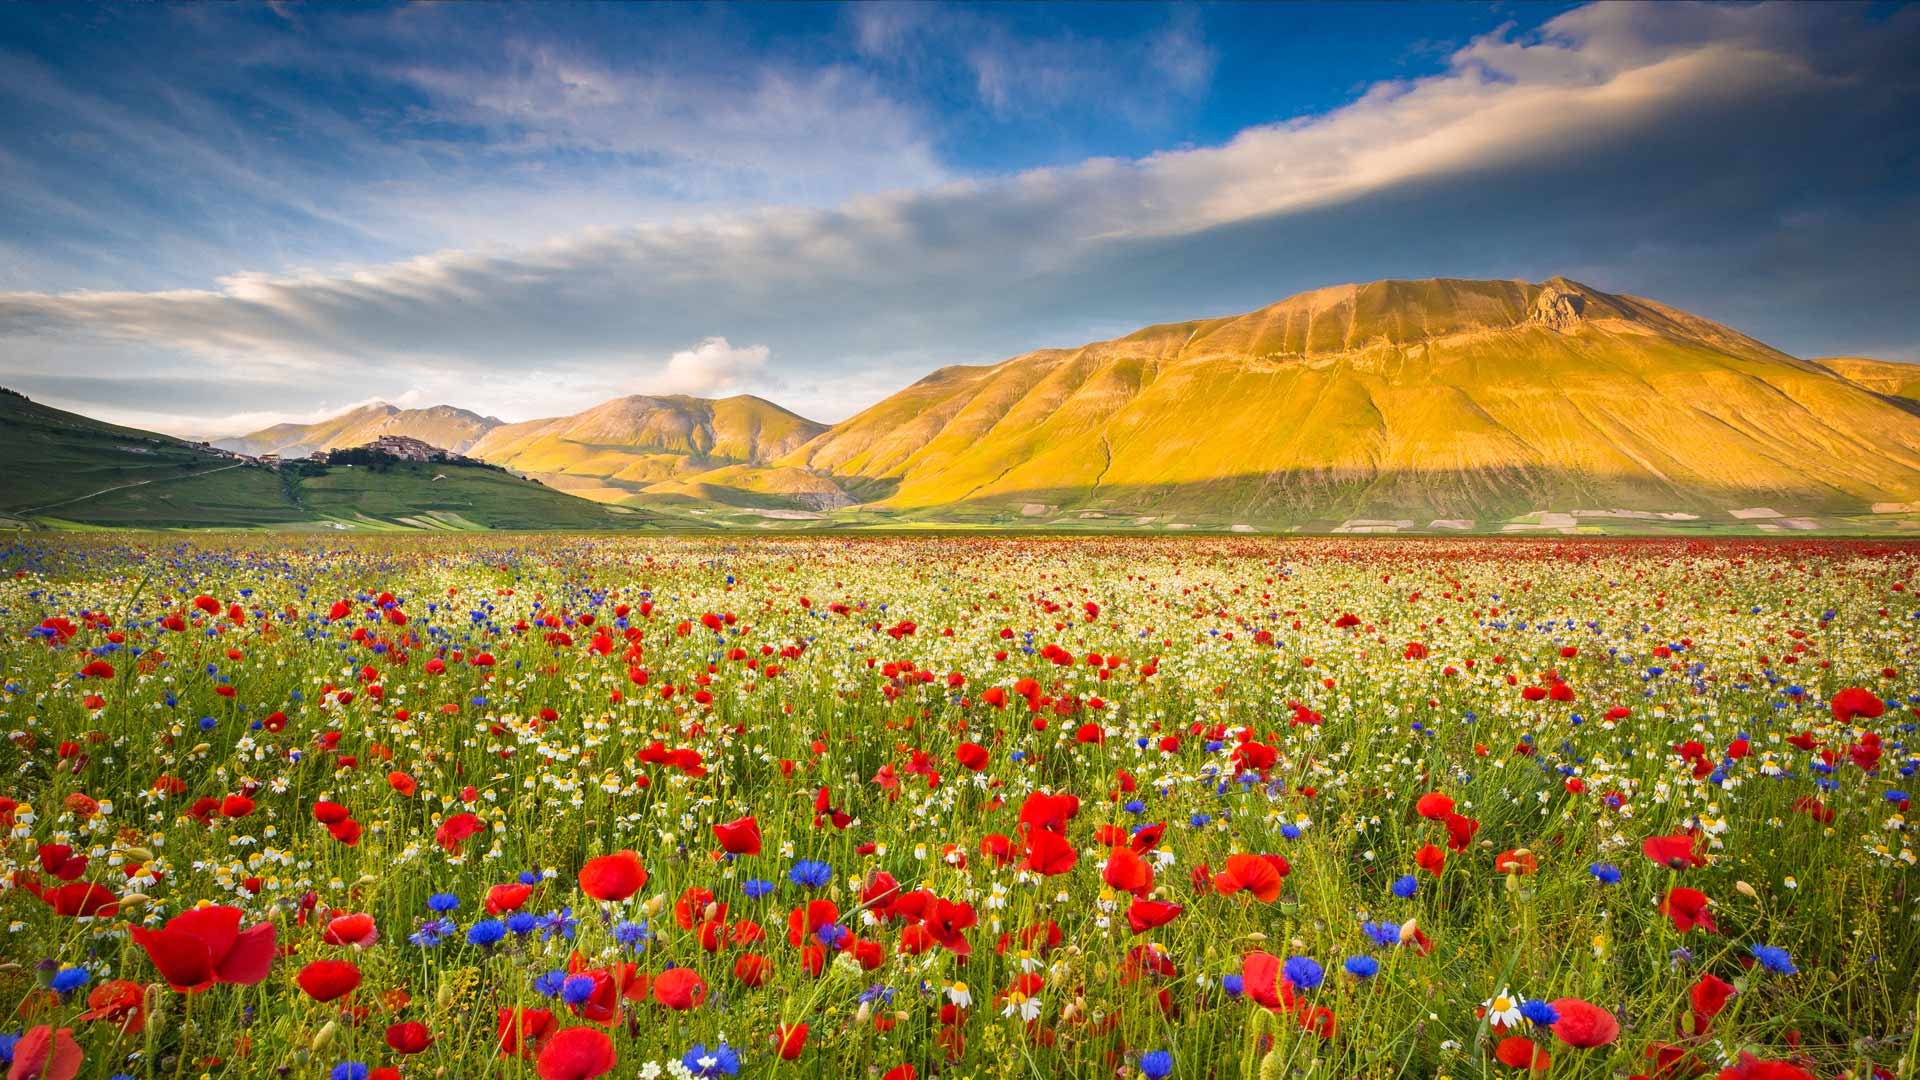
(616, 449)
(1395, 404)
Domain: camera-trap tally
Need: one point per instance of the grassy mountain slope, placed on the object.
(1397, 399)
(67, 470)
(614, 451)
(441, 425)
(1888, 377)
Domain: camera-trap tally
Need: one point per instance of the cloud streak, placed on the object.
(1660, 150)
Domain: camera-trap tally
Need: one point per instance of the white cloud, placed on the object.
(714, 368)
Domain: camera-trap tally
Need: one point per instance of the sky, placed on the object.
(216, 217)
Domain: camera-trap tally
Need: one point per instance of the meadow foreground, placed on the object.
(473, 806)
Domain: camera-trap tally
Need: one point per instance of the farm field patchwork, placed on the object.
(491, 805)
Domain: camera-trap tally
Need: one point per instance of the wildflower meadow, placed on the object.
(899, 808)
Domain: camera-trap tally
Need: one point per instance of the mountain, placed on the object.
(1391, 405)
(616, 450)
(1885, 377)
(442, 425)
(66, 470)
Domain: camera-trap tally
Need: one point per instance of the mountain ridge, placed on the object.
(445, 426)
(1441, 404)
(1446, 397)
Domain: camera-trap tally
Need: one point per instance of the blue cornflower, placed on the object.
(755, 888)
(522, 922)
(486, 933)
(630, 933)
(1541, 1013)
(431, 933)
(70, 979)
(576, 990)
(442, 902)
(1383, 934)
(1405, 886)
(1362, 967)
(720, 1061)
(1234, 985)
(810, 874)
(832, 934)
(1774, 959)
(1290, 831)
(1894, 795)
(1607, 872)
(560, 922)
(7, 1043)
(348, 1070)
(549, 985)
(1135, 806)
(1156, 1065)
(1200, 821)
(1303, 972)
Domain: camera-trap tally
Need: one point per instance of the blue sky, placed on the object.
(217, 216)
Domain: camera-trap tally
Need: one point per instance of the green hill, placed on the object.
(67, 470)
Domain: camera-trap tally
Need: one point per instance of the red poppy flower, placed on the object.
(1707, 997)
(680, 988)
(122, 1001)
(1460, 830)
(1854, 701)
(1052, 812)
(1145, 915)
(803, 921)
(751, 969)
(1688, 909)
(81, 900)
(1752, 1068)
(502, 898)
(351, 930)
(454, 831)
(1127, 872)
(409, 1038)
(1433, 806)
(46, 1053)
(1584, 1025)
(971, 755)
(1260, 975)
(789, 1040)
(204, 946)
(1049, 853)
(613, 877)
(1673, 852)
(740, 837)
(1256, 874)
(1515, 862)
(1430, 858)
(523, 1030)
(326, 980)
(1521, 1053)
